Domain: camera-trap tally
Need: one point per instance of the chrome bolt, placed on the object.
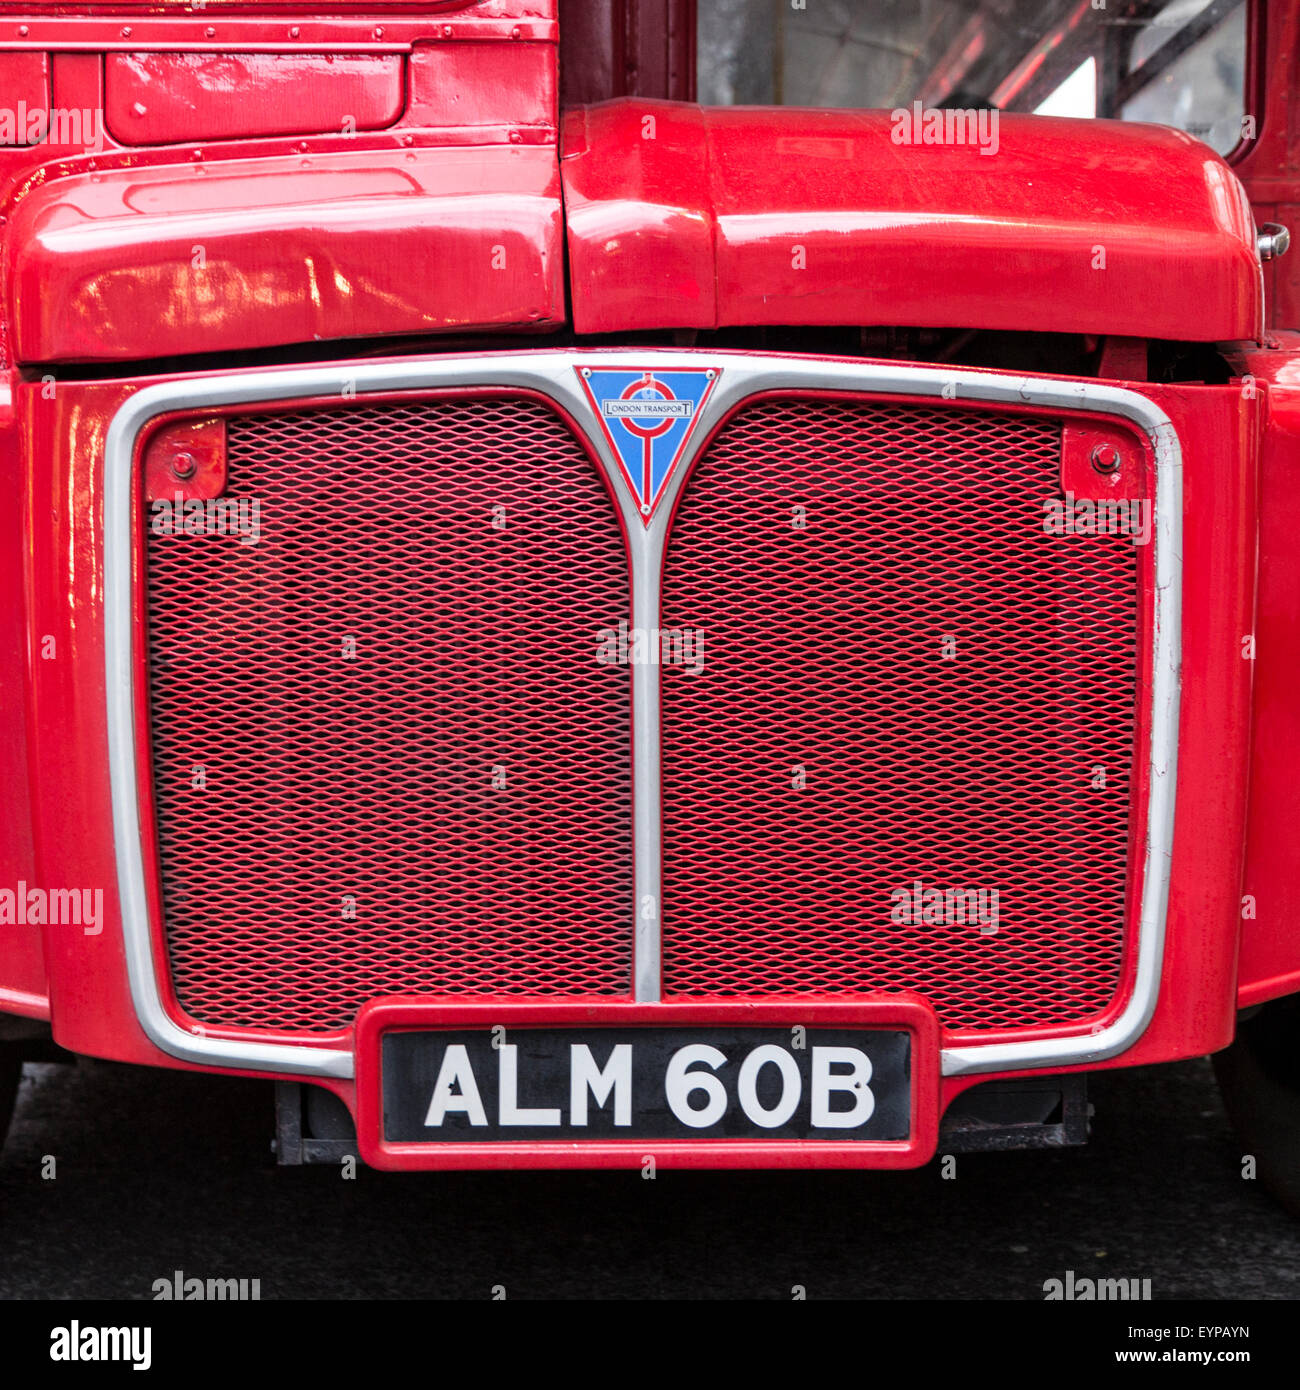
(1105, 458)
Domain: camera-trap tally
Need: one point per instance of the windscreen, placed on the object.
(1179, 63)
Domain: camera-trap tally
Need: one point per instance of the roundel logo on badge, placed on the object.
(648, 416)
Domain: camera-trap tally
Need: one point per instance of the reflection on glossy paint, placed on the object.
(313, 288)
(86, 432)
(119, 271)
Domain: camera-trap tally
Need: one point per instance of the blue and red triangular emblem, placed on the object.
(648, 415)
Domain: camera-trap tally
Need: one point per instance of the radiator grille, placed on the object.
(352, 835)
(905, 681)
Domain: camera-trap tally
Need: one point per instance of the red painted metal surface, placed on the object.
(1218, 595)
(164, 98)
(1270, 904)
(900, 1011)
(25, 82)
(223, 26)
(686, 217)
(79, 967)
(1268, 162)
(910, 686)
(24, 987)
(145, 264)
(455, 86)
(247, 239)
(186, 461)
(415, 775)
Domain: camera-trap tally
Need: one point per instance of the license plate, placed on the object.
(646, 1083)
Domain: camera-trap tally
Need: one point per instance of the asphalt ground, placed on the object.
(154, 1172)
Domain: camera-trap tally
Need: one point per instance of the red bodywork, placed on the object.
(719, 217)
(461, 205)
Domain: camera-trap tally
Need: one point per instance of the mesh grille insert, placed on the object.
(352, 835)
(906, 682)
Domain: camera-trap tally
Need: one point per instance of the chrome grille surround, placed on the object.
(553, 374)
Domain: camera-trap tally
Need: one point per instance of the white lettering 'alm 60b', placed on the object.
(691, 1070)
